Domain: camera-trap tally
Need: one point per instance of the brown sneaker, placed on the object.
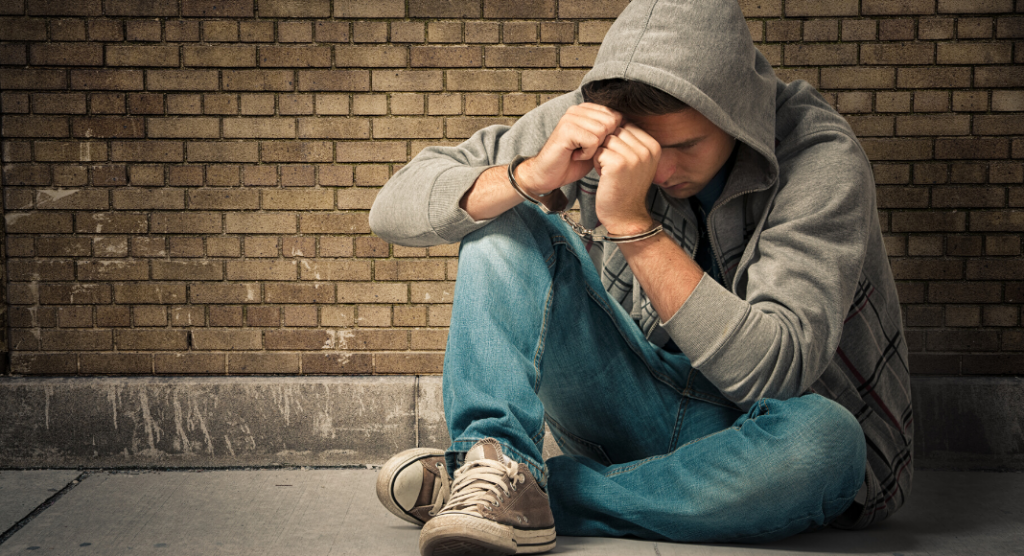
(414, 484)
(496, 507)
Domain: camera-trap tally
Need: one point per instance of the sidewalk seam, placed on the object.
(42, 507)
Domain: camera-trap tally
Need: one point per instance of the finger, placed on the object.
(626, 149)
(643, 138)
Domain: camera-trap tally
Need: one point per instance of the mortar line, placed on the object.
(42, 507)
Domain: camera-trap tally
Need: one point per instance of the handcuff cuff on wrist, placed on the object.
(560, 202)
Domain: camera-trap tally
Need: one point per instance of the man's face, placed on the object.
(693, 150)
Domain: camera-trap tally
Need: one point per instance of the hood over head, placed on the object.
(700, 52)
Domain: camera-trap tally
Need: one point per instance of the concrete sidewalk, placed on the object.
(313, 512)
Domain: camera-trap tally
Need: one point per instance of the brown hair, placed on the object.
(632, 97)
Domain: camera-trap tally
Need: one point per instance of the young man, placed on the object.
(717, 344)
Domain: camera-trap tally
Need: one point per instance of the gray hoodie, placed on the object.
(809, 302)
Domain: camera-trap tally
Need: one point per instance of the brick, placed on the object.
(550, 80)
(188, 363)
(952, 124)
(933, 221)
(112, 31)
(76, 340)
(994, 315)
(181, 30)
(973, 148)
(1002, 76)
(339, 269)
(963, 340)
(263, 363)
(369, 31)
(282, 292)
(404, 80)
(92, 270)
(409, 362)
(859, 30)
(431, 292)
(927, 268)
(12, 29)
(1008, 101)
(225, 339)
(1008, 173)
(114, 127)
(256, 31)
(1004, 245)
(260, 223)
(220, 56)
(64, 7)
(35, 126)
(217, 8)
(184, 104)
(931, 101)
(145, 103)
(187, 223)
(442, 57)
(371, 174)
(407, 127)
(299, 151)
(995, 269)
(337, 363)
(74, 293)
(975, 28)
(223, 199)
(13, 55)
(897, 149)
(56, 103)
(149, 315)
(376, 316)
(973, 53)
(524, 9)
(821, 30)
(59, 246)
(120, 80)
(34, 270)
(136, 55)
(143, 30)
(918, 78)
(356, 198)
(997, 221)
(220, 31)
(444, 31)
(110, 223)
(481, 104)
(147, 151)
(369, 104)
(334, 80)
(370, 292)
(897, 54)
(1004, 124)
(975, 6)
(821, 8)
(1010, 27)
(482, 80)
(51, 199)
(222, 152)
(414, 31)
(33, 79)
(261, 246)
(896, 30)
(70, 151)
(305, 199)
(519, 32)
(334, 223)
(444, 8)
(222, 175)
(590, 8)
(930, 174)
(964, 292)
(407, 104)
(295, 8)
(371, 56)
(297, 175)
(258, 80)
(461, 128)
(783, 30)
(150, 340)
(66, 54)
(970, 101)
(369, 9)
(183, 80)
(220, 293)
(333, 128)
(295, 56)
(262, 128)
(576, 56)
(867, 126)
(138, 8)
(521, 56)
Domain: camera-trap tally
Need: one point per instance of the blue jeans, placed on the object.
(653, 449)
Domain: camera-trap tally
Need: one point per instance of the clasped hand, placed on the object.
(625, 156)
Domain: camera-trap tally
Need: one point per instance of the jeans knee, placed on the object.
(837, 441)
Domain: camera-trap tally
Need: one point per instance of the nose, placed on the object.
(666, 167)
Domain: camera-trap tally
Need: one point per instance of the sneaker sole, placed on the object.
(465, 535)
(391, 470)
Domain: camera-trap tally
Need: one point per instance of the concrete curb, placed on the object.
(969, 423)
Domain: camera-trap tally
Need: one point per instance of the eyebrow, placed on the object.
(687, 143)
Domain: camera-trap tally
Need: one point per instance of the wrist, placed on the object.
(527, 181)
(629, 227)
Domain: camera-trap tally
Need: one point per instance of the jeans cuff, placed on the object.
(456, 454)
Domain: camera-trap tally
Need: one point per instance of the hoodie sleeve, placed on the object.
(777, 339)
(419, 205)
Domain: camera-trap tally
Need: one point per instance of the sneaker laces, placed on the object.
(482, 483)
(443, 488)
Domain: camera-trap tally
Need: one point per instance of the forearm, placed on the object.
(491, 195)
(667, 274)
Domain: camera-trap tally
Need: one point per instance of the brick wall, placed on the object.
(186, 182)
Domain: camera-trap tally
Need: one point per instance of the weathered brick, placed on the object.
(81, 199)
(223, 199)
(92, 270)
(525, 9)
(33, 79)
(258, 80)
(222, 152)
(974, 148)
(974, 53)
(295, 56)
(444, 8)
(212, 292)
(868, 126)
(332, 104)
(67, 54)
(143, 30)
(220, 31)
(897, 149)
(550, 80)
(369, 9)
(335, 269)
(225, 339)
(408, 104)
(995, 269)
(220, 56)
(70, 151)
(261, 270)
(952, 124)
(283, 292)
(482, 80)
(334, 80)
(260, 223)
(337, 363)
(110, 126)
(356, 198)
(295, 8)
(1001, 76)
(35, 126)
(110, 223)
(297, 151)
(1004, 124)
(13, 55)
(303, 199)
(333, 128)
(975, 6)
(188, 363)
(371, 292)
(334, 223)
(927, 268)
(997, 221)
(138, 8)
(896, 54)
(482, 105)
(147, 151)
(406, 127)
(364, 105)
(431, 292)
(369, 31)
(587, 9)
(405, 80)
(442, 57)
(75, 340)
(55, 103)
(263, 363)
(783, 30)
(933, 221)
(187, 223)
(217, 8)
(409, 362)
(461, 128)
(184, 104)
(34, 270)
(259, 128)
(521, 56)
(183, 80)
(298, 175)
(12, 29)
(136, 55)
(75, 293)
